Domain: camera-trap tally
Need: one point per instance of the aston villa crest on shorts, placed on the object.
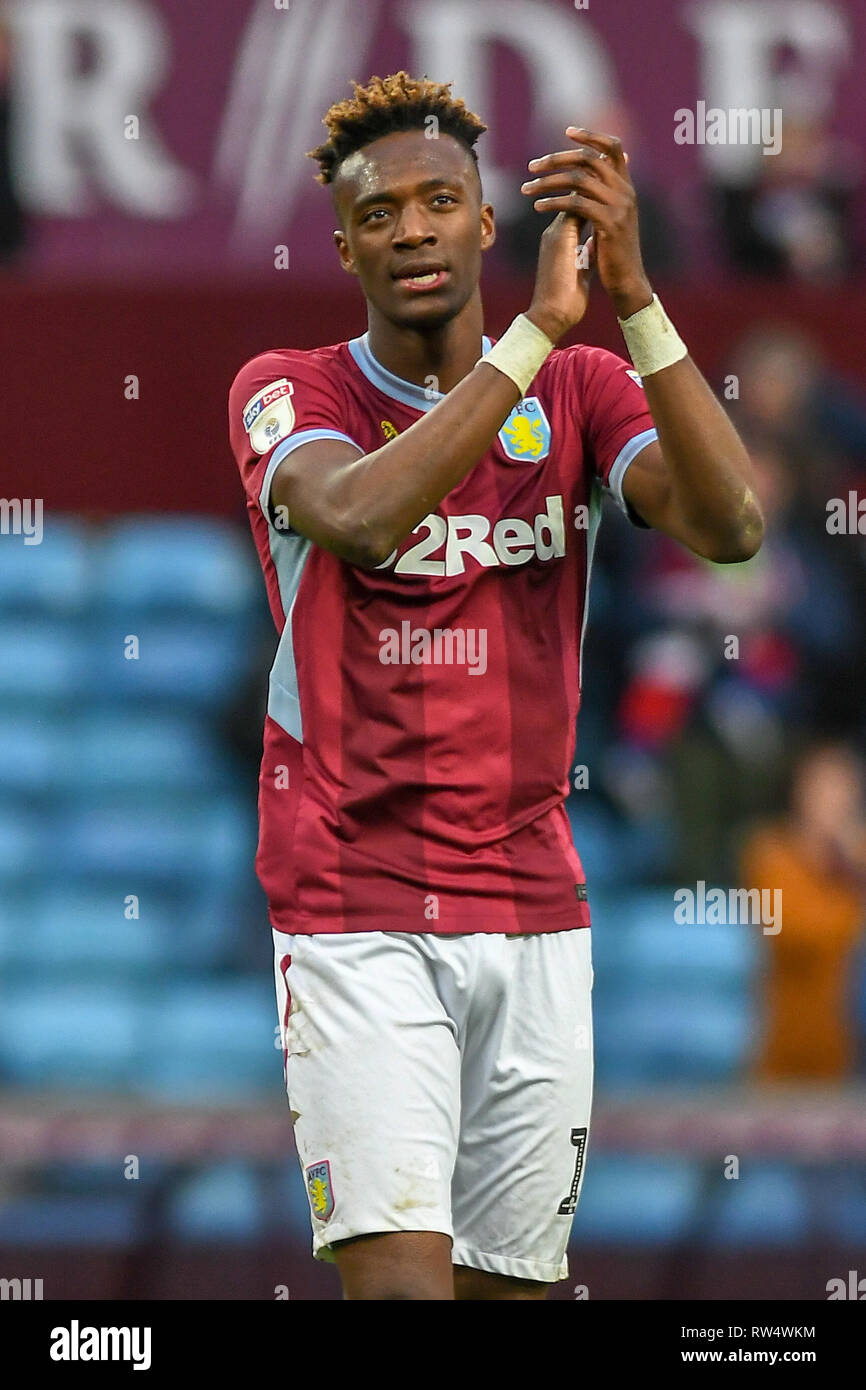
(525, 436)
(320, 1189)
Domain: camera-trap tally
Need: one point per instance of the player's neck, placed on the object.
(447, 353)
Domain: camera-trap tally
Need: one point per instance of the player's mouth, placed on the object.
(417, 279)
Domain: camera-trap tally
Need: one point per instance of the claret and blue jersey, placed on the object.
(421, 716)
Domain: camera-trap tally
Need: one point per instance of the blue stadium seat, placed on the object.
(211, 1040)
(143, 749)
(83, 926)
(183, 659)
(222, 1203)
(599, 841)
(765, 1205)
(41, 751)
(14, 908)
(181, 840)
(107, 1220)
(843, 1207)
(636, 1200)
(663, 952)
(32, 756)
(177, 562)
(206, 920)
(65, 1034)
(669, 1036)
(23, 843)
(43, 659)
(93, 1177)
(54, 575)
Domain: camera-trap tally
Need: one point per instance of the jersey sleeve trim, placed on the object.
(294, 441)
(627, 454)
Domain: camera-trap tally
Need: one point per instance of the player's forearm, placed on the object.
(386, 494)
(711, 504)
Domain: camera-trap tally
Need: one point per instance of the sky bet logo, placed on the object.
(512, 542)
(264, 399)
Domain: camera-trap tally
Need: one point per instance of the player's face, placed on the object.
(414, 226)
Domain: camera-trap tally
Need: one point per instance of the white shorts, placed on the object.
(441, 1083)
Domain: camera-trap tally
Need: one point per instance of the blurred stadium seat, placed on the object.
(765, 1205)
(176, 839)
(65, 1035)
(210, 1040)
(222, 1202)
(103, 1220)
(23, 844)
(662, 952)
(843, 1207)
(82, 928)
(184, 659)
(179, 563)
(669, 1036)
(54, 575)
(671, 1002)
(637, 1200)
(44, 659)
(143, 749)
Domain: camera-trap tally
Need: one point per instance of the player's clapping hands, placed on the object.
(591, 183)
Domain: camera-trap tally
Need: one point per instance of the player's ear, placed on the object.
(488, 226)
(346, 258)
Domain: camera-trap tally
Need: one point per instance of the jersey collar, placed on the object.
(407, 392)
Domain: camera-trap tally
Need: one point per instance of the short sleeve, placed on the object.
(278, 401)
(617, 422)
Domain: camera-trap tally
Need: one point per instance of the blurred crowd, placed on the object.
(788, 216)
(725, 702)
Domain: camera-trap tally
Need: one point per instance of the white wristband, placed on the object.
(651, 339)
(520, 352)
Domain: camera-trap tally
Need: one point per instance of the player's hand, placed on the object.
(592, 182)
(562, 279)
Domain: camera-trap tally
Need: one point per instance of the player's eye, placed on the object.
(447, 196)
(374, 213)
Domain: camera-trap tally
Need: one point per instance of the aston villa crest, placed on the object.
(525, 436)
(320, 1189)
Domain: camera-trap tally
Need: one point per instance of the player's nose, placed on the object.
(412, 228)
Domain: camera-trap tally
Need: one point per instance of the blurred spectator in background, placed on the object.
(660, 245)
(788, 392)
(11, 218)
(725, 660)
(816, 856)
(792, 217)
(707, 668)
